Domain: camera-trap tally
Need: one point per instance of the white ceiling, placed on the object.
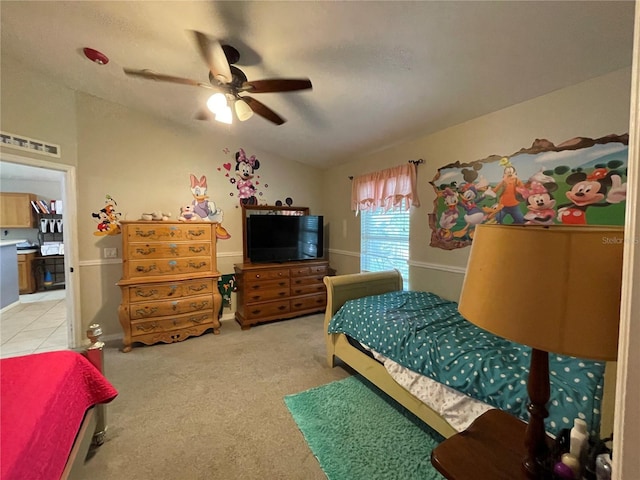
(382, 72)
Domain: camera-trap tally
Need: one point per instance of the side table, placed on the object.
(492, 448)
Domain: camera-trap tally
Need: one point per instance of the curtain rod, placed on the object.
(415, 162)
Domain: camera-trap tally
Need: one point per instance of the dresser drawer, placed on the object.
(307, 289)
(267, 294)
(266, 274)
(151, 268)
(266, 309)
(162, 291)
(267, 285)
(139, 251)
(307, 281)
(166, 324)
(171, 307)
(157, 231)
(305, 303)
(319, 270)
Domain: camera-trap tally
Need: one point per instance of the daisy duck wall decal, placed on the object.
(204, 208)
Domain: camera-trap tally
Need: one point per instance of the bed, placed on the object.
(52, 411)
(444, 408)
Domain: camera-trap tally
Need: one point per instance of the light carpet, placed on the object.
(356, 432)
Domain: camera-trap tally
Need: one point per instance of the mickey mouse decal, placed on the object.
(590, 191)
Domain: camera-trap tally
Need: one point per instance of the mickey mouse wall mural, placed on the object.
(581, 181)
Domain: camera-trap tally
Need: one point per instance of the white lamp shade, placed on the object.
(553, 288)
(225, 115)
(243, 111)
(217, 102)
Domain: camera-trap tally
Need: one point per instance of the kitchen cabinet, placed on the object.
(26, 280)
(16, 210)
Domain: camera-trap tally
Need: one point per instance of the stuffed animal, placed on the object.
(187, 214)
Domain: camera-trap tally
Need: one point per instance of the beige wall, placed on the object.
(593, 109)
(34, 106)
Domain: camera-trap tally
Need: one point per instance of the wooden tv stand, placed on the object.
(275, 291)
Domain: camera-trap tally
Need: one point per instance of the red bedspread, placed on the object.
(43, 401)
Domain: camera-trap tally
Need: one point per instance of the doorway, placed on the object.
(65, 175)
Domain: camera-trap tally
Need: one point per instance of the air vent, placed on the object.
(25, 143)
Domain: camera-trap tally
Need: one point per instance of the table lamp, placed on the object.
(553, 288)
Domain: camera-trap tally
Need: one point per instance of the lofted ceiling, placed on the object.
(382, 72)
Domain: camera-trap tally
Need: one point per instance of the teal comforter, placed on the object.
(426, 334)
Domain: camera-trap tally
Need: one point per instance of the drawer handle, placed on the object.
(256, 312)
(146, 311)
(150, 233)
(200, 306)
(193, 288)
(282, 307)
(150, 293)
(198, 265)
(197, 250)
(297, 305)
(256, 287)
(198, 319)
(196, 233)
(255, 298)
(148, 269)
(282, 284)
(147, 328)
(148, 251)
(282, 294)
(257, 275)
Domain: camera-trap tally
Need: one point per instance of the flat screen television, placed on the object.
(284, 238)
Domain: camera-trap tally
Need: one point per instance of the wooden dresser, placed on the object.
(169, 281)
(274, 291)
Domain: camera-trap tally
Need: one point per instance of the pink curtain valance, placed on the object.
(385, 189)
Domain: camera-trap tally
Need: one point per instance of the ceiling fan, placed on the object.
(229, 82)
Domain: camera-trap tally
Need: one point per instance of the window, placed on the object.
(384, 241)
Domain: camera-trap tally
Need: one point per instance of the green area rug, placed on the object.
(357, 432)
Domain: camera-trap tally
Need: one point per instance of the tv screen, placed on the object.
(284, 238)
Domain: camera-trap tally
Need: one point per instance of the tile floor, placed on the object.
(38, 324)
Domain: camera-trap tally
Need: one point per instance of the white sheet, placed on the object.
(456, 408)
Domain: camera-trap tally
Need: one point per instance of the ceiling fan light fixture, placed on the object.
(217, 102)
(224, 115)
(243, 110)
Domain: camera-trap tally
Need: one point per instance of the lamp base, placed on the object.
(538, 389)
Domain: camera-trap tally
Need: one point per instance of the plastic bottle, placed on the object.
(48, 280)
(579, 439)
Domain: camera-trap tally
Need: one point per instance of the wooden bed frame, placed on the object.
(94, 426)
(342, 288)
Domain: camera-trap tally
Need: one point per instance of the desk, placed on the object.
(492, 448)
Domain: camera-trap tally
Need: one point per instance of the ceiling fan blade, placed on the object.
(277, 85)
(262, 110)
(214, 57)
(151, 75)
